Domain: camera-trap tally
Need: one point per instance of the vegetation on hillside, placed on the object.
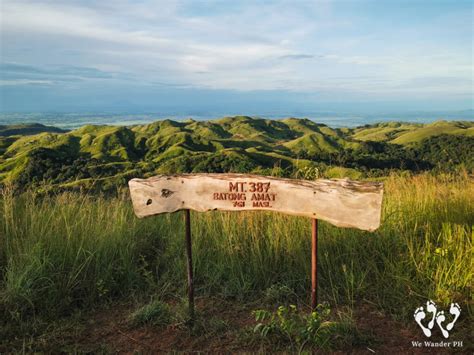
(105, 156)
(26, 129)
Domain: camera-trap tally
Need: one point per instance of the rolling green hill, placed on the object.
(411, 133)
(383, 131)
(26, 129)
(436, 129)
(37, 155)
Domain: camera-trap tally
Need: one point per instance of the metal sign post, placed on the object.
(189, 255)
(314, 264)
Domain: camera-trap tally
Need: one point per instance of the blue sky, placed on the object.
(257, 56)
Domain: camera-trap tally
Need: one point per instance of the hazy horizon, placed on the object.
(71, 120)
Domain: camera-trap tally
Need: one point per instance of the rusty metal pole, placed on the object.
(314, 264)
(187, 219)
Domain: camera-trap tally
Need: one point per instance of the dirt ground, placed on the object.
(110, 331)
(221, 326)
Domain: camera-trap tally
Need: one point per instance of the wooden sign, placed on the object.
(341, 202)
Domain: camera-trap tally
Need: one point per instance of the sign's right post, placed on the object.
(314, 264)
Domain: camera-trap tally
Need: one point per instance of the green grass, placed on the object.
(70, 251)
(156, 313)
(287, 326)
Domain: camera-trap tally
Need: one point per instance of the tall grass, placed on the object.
(70, 251)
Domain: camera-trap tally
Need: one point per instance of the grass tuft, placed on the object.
(155, 313)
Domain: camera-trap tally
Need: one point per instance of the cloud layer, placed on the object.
(323, 48)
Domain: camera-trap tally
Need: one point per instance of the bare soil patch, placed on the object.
(223, 328)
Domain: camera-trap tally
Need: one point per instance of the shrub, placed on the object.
(289, 326)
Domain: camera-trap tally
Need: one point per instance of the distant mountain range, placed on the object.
(337, 119)
(34, 154)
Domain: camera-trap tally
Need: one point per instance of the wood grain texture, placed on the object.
(341, 202)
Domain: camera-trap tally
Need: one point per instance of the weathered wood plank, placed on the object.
(341, 202)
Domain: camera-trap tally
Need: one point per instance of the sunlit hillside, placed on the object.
(104, 156)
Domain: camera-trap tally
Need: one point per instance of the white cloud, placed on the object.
(248, 47)
(25, 82)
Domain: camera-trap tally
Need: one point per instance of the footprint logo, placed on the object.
(419, 316)
(431, 307)
(438, 317)
(455, 310)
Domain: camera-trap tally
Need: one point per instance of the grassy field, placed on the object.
(68, 253)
